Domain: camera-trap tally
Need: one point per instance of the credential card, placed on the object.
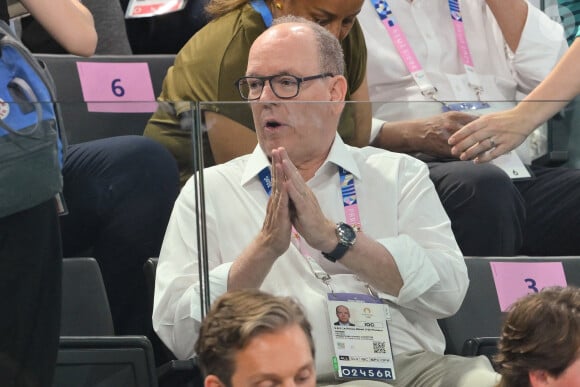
(360, 336)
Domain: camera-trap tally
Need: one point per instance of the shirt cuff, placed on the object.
(218, 285)
(417, 271)
(376, 126)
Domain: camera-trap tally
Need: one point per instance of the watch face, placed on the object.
(346, 234)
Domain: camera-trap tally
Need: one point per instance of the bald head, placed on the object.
(283, 66)
(301, 37)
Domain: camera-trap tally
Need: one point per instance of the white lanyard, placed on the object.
(408, 56)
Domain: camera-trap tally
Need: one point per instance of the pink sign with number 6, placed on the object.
(117, 87)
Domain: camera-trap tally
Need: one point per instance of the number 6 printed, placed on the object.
(117, 89)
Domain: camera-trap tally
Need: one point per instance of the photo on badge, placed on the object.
(359, 329)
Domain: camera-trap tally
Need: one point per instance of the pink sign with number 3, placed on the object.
(516, 279)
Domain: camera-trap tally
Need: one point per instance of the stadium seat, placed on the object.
(105, 361)
(480, 315)
(83, 125)
(85, 307)
(172, 372)
(89, 354)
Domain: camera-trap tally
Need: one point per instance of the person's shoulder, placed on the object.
(371, 153)
(380, 162)
(219, 34)
(251, 22)
(218, 174)
(233, 166)
(243, 24)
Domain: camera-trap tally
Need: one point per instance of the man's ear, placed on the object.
(339, 88)
(540, 378)
(212, 381)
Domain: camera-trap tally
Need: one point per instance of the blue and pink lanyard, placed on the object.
(348, 191)
(351, 212)
(410, 59)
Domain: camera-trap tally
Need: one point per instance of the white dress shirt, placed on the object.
(504, 75)
(398, 207)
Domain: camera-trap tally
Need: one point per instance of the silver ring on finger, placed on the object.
(491, 142)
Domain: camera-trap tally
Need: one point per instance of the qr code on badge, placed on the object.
(379, 347)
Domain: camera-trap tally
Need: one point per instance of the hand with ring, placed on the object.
(489, 136)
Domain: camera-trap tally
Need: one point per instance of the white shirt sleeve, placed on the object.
(430, 262)
(176, 309)
(541, 46)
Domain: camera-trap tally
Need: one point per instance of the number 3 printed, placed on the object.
(531, 284)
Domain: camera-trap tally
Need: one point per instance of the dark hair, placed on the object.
(330, 55)
(237, 317)
(541, 332)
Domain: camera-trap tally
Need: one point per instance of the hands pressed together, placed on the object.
(292, 203)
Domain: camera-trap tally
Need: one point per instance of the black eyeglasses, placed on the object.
(284, 86)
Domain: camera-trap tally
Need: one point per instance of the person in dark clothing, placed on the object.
(30, 246)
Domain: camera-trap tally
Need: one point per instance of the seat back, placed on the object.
(170, 372)
(570, 138)
(84, 125)
(561, 134)
(162, 354)
(89, 354)
(480, 314)
(105, 361)
(149, 269)
(85, 308)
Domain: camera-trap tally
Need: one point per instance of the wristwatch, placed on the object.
(346, 238)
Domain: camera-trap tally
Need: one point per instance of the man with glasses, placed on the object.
(284, 86)
(309, 217)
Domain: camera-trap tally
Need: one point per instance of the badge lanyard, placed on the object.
(351, 212)
(410, 59)
(376, 364)
(261, 7)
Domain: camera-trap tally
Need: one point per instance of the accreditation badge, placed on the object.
(360, 335)
(464, 106)
(149, 8)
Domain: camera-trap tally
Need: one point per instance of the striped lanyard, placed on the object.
(410, 59)
(261, 7)
(351, 212)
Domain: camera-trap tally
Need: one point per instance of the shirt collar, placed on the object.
(339, 155)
